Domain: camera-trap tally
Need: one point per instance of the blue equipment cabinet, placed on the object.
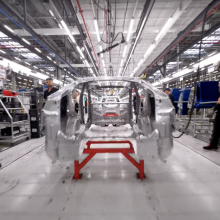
(185, 94)
(207, 91)
(176, 95)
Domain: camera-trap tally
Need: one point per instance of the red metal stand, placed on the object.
(110, 114)
(93, 151)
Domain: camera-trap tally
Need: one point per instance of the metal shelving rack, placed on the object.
(14, 137)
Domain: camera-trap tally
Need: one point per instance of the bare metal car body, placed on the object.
(150, 132)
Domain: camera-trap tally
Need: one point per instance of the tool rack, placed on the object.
(13, 115)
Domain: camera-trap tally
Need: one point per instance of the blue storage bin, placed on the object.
(207, 91)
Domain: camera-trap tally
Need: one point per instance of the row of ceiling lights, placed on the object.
(203, 62)
(72, 39)
(27, 42)
(158, 38)
(201, 77)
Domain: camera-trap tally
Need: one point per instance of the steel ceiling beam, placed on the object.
(214, 4)
(77, 65)
(29, 47)
(20, 23)
(143, 19)
(72, 11)
(207, 33)
(46, 31)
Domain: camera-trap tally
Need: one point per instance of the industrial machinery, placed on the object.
(150, 133)
(207, 93)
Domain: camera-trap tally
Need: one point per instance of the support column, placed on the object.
(13, 80)
(36, 83)
(164, 67)
(210, 76)
(59, 74)
(183, 83)
(178, 58)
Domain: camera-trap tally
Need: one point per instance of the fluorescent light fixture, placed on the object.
(124, 52)
(184, 67)
(17, 58)
(191, 64)
(2, 51)
(81, 58)
(210, 60)
(60, 26)
(54, 62)
(211, 54)
(49, 58)
(68, 31)
(140, 62)
(103, 63)
(87, 64)
(51, 13)
(163, 29)
(27, 42)
(37, 50)
(150, 49)
(35, 67)
(80, 52)
(8, 28)
(135, 43)
(100, 48)
(130, 29)
(121, 62)
(97, 29)
(28, 63)
(47, 73)
(41, 70)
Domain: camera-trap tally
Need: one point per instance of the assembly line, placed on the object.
(109, 109)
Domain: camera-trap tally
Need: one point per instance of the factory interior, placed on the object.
(110, 109)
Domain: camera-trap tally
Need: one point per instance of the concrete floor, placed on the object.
(186, 187)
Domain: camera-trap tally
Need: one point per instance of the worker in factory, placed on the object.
(167, 91)
(51, 89)
(216, 129)
(76, 100)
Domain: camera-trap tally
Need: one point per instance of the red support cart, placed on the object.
(93, 151)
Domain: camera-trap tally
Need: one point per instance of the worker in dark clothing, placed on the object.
(167, 91)
(216, 129)
(51, 89)
(75, 97)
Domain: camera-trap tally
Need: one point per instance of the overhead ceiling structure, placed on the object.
(67, 39)
(184, 49)
(148, 28)
(46, 37)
